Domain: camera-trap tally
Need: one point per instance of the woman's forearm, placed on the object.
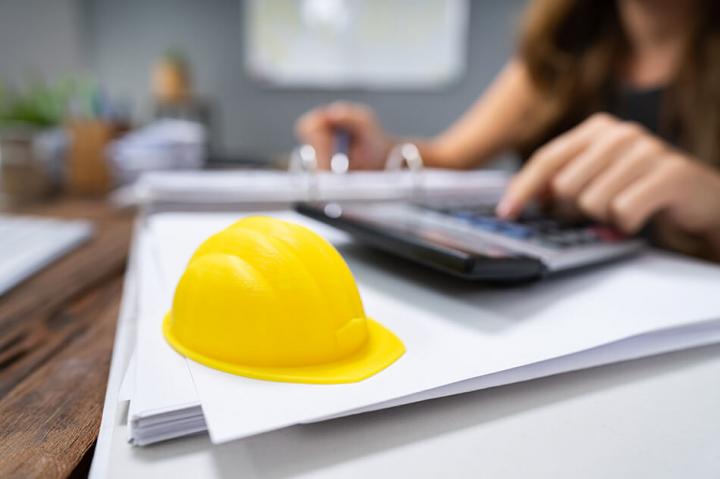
(493, 124)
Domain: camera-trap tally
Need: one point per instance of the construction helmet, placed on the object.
(273, 300)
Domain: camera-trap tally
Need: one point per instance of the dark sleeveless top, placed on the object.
(641, 106)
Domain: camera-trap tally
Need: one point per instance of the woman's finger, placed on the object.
(636, 204)
(360, 123)
(630, 165)
(356, 118)
(575, 177)
(536, 175)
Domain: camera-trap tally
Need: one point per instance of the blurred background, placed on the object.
(104, 72)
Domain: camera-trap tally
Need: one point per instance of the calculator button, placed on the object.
(463, 215)
(608, 234)
(560, 240)
(516, 230)
(588, 236)
(487, 223)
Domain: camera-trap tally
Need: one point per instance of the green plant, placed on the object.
(38, 104)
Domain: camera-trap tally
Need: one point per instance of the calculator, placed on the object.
(466, 239)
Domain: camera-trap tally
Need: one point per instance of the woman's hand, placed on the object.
(369, 144)
(618, 173)
(496, 122)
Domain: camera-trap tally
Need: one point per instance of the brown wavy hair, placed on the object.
(573, 49)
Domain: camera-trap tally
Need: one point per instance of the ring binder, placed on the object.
(303, 160)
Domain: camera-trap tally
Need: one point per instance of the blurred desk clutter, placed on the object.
(30, 163)
(161, 145)
(28, 244)
(69, 135)
(88, 172)
(173, 93)
(53, 137)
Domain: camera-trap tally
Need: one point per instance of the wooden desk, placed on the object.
(56, 336)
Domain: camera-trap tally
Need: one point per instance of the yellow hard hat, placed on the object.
(269, 299)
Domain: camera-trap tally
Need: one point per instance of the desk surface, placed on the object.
(56, 336)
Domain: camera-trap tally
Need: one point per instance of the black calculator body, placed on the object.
(467, 240)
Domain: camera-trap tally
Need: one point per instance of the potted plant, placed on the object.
(31, 140)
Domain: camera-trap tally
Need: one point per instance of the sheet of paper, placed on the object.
(663, 341)
(127, 385)
(453, 331)
(162, 380)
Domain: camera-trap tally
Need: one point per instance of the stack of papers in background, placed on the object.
(162, 145)
(459, 337)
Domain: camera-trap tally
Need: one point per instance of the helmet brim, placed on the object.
(381, 350)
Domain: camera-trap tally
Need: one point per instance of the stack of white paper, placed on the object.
(459, 337)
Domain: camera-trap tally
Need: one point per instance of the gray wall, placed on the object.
(40, 38)
(126, 37)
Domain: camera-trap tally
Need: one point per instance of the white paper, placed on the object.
(162, 381)
(127, 386)
(452, 331)
(663, 341)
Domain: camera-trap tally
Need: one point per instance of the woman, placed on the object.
(616, 105)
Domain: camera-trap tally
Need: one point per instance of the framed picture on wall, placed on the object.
(373, 44)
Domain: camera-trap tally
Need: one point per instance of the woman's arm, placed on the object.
(493, 124)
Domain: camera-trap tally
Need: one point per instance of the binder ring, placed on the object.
(303, 159)
(406, 153)
(409, 154)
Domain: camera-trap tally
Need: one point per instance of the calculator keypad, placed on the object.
(531, 226)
